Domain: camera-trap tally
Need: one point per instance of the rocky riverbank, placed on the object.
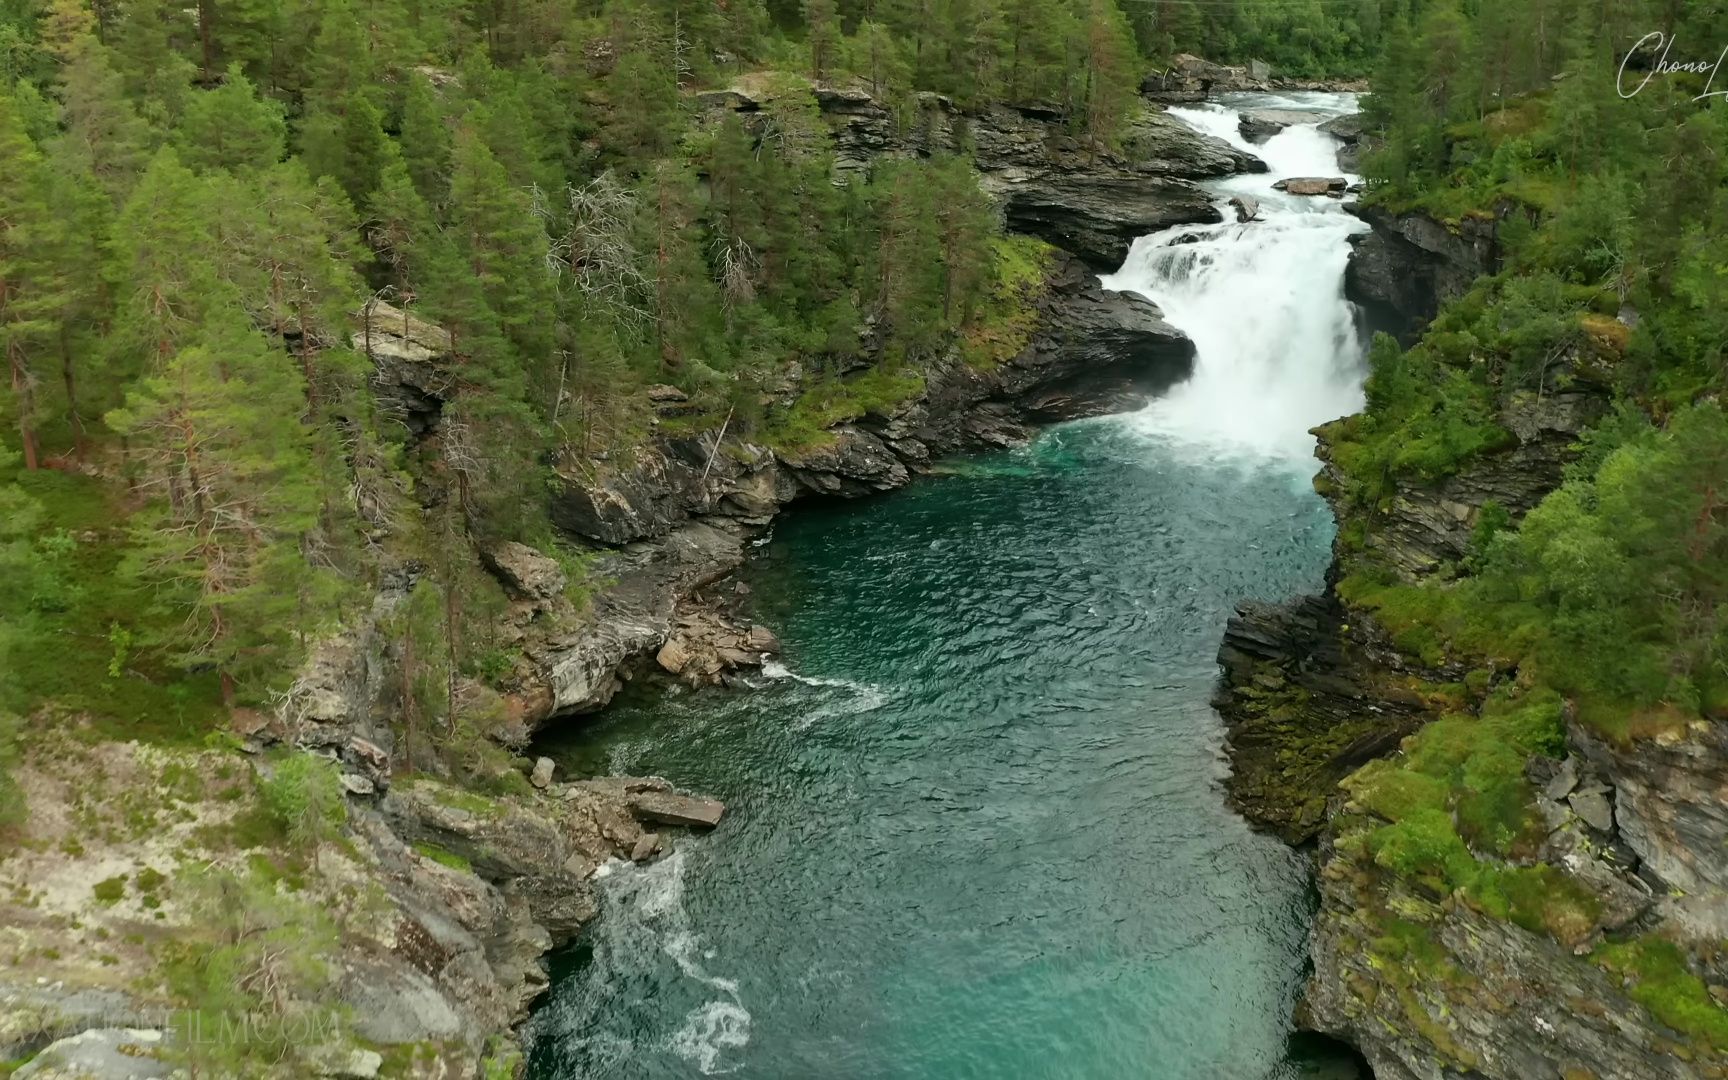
(1611, 966)
(670, 518)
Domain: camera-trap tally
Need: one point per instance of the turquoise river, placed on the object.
(974, 825)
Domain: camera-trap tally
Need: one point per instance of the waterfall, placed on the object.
(1278, 348)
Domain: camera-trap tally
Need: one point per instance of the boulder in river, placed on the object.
(1247, 207)
(1348, 131)
(671, 808)
(1258, 125)
(1313, 185)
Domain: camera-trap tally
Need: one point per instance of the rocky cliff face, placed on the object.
(1409, 264)
(1430, 986)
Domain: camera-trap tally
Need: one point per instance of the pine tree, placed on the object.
(1105, 88)
(148, 58)
(965, 219)
(85, 217)
(877, 56)
(822, 35)
(218, 433)
(425, 139)
(230, 127)
(102, 130)
(31, 300)
(503, 242)
(347, 144)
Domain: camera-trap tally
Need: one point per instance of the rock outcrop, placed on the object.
(1307, 697)
(1430, 985)
(1443, 975)
(1424, 526)
(1409, 264)
(1098, 217)
(1090, 202)
(668, 519)
(1483, 998)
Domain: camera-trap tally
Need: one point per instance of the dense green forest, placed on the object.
(1608, 602)
(190, 195)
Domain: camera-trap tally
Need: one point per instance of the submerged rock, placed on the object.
(1313, 185)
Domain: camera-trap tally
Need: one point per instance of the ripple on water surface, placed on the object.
(974, 826)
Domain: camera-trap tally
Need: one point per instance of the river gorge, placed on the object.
(975, 825)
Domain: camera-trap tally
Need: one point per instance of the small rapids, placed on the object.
(1278, 346)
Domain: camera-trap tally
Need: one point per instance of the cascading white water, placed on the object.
(1278, 350)
(646, 919)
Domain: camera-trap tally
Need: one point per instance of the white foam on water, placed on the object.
(857, 697)
(1277, 347)
(708, 1032)
(645, 921)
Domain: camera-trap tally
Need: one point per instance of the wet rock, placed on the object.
(541, 777)
(1312, 185)
(762, 639)
(1158, 143)
(670, 808)
(645, 847)
(1352, 141)
(1247, 208)
(1258, 125)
